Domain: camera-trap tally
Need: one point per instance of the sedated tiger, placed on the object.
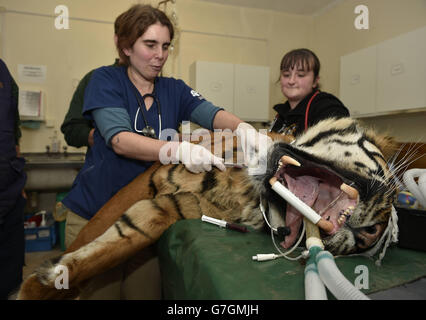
(337, 167)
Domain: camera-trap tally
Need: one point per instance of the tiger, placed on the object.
(337, 166)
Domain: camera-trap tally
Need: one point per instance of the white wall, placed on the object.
(334, 35)
(29, 37)
(206, 31)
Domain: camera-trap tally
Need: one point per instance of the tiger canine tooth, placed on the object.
(289, 160)
(325, 225)
(350, 191)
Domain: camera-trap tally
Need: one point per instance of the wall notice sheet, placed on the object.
(32, 73)
(30, 103)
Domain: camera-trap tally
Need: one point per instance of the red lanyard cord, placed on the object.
(307, 109)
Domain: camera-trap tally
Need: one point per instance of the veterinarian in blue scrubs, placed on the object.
(131, 105)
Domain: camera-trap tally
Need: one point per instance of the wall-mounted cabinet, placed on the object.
(358, 81)
(387, 77)
(401, 72)
(240, 89)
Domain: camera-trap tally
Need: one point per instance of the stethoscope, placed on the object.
(148, 131)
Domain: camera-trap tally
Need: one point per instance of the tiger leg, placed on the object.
(141, 188)
(139, 227)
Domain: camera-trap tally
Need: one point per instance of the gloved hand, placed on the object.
(195, 157)
(254, 144)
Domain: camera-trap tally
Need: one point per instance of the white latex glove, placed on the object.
(254, 144)
(197, 158)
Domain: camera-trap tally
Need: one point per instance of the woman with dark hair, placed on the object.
(306, 104)
(134, 109)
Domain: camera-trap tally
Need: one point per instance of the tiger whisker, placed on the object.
(413, 148)
(396, 155)
(403, 166)
(396, 168)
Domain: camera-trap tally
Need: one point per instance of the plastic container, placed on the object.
(40, 238)
(56, 143)
(412, 226)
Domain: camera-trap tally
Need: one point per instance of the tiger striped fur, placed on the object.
(138, 215)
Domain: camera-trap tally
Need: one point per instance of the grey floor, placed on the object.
(411, 291)
(35, 259)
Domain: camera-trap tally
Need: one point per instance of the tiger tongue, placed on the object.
(306, 188)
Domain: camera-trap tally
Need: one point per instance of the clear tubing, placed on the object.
(335, 281)
(418, 190)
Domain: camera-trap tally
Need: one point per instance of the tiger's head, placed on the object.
(343, 175)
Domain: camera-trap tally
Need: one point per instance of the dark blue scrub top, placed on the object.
(104, 172)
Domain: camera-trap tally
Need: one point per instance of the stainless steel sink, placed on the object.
(35, 159)
(52, 171)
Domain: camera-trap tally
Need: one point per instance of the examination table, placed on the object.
(203, 261)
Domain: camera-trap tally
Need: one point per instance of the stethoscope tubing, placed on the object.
(152, 95)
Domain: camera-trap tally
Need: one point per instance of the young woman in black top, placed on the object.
(305, 104)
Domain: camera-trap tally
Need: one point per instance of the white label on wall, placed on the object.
(30, 103)
(355, 79)
(31, 73)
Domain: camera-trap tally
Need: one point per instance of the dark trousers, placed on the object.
(12, 249)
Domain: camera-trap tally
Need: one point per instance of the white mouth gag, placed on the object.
(300, 206)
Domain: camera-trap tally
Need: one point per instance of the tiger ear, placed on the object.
(281, 137)
(386, 144)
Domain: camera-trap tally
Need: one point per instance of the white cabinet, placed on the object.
(358, 81)
(251, 92)
(240, 89)
(215, 82)
(401, 72)
(387, 77)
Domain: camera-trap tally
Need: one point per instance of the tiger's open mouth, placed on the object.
(321, 188)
